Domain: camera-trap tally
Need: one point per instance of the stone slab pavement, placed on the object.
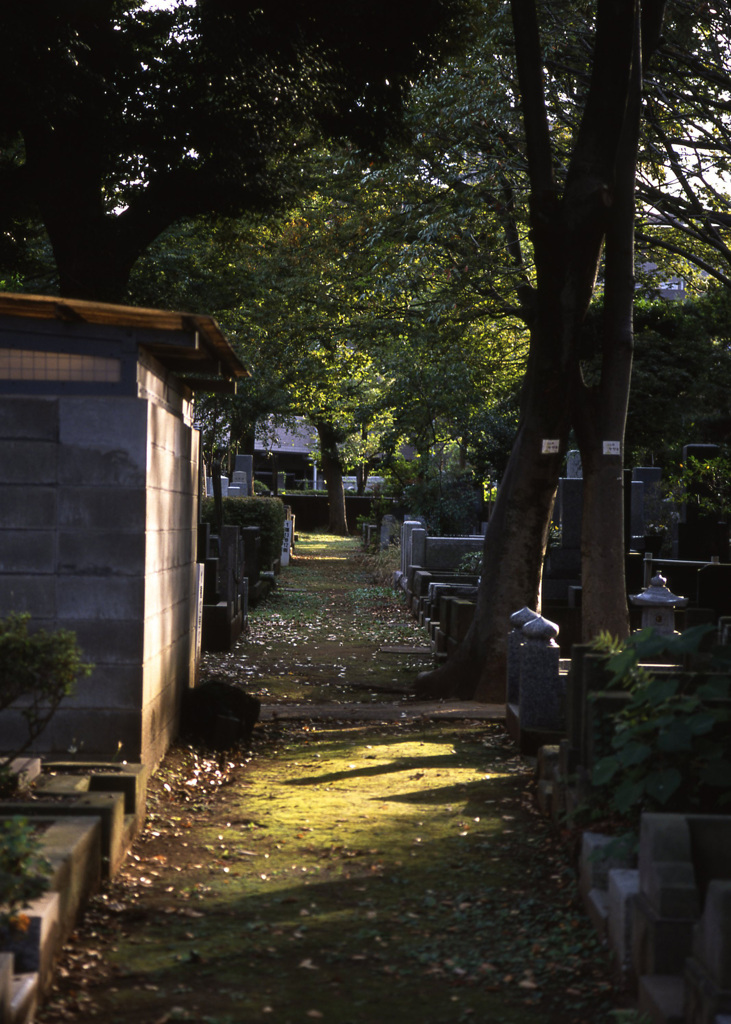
(390, 711)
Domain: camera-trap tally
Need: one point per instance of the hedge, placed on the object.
(266, 513)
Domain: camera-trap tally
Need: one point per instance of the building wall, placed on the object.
(72, 552)
(169, 656)
(98, 506)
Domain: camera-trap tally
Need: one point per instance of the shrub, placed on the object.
(37, 670)
(266, 513)
(448, 503)
(23, 872)
(671, 743)
(471, 563)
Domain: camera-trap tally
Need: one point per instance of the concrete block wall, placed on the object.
(170, 557)
(98, 511)
(73, 473)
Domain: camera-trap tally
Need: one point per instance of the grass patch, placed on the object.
(361, 874)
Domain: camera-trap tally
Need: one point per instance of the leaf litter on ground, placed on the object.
(348, 872)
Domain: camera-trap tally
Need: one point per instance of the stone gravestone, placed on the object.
(238, 488)
(708, 970)
(515, 642)
(389, 531)
(651, 478)
(245, 465)
(714, 589)
(573, 465)
(251, 539)
(542, 689)
(636, 515)
(406, 530)
(563, 564)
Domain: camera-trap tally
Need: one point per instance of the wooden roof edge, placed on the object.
(53, 307)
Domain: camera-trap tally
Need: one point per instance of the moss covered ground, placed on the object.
(393, 870)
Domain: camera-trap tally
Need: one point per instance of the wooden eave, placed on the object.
(187, 343)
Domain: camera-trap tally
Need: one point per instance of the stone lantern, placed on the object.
(658, 605)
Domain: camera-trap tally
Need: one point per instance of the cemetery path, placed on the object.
(333, 633)
(375, 865)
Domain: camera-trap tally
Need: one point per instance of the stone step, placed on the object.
(661, 997)
(24, 994)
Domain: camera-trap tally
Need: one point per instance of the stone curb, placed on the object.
(92, 817)
(385, 712)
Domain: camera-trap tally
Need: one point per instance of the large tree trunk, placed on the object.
(515, 537)
(567, 232)
(601, 411)
(333, 473)
(94, 249)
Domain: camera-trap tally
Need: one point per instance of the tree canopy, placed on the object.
(117, 119)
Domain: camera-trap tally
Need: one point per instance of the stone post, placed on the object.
(541, 688)
(406, 530)
(245, 465)
(515, 642)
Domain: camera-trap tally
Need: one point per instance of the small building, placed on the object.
(99, 492)
(284, 456)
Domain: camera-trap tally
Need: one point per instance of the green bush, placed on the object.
(448, 504)
(671, 742)
(471, 563)
(23, 872)
(37, 670)
(266, 513)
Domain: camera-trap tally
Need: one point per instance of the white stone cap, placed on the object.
(518, 619)
(539, 628)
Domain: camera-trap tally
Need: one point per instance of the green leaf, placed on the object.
(661, 785)
(676, 737)
(721, 656)
(715, 689)
(650, 644)
(634, 753)
(702, 723)
(628, 794)
(604, 771)
(621, 664)
(716, 773)
(623, 734)
(689, 640)
(660, 690)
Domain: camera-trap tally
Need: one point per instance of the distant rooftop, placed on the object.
(299, 439)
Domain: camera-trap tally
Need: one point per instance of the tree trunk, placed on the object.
(567, 231)
(516, 536)
(94, 249)
(601, 411)
(333, 473)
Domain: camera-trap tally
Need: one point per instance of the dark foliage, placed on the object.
(116, 121)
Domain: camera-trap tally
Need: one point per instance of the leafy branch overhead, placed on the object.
(119, 120)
